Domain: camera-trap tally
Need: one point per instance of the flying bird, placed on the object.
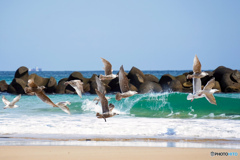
(124, 87)
(101, 88)
(107, 109)
(108, 71)
(197, 83)
(38, 90)
(197, 72)
(208, 91)
(11, 104)
(63, 106)
(77, 85)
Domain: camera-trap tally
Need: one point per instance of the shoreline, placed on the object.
(102, 153)
(120, 142)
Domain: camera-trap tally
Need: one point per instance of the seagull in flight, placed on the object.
(38, 90)
(101, 88)
(107, 109)
(124, 87)
(197, 72)
(11, 104)
(77, 85)
(108, 71)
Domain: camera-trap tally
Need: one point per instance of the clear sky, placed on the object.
(148, 34)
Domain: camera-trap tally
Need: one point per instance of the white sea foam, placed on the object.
(119, 126)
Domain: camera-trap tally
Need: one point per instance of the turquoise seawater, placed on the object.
(153, 115)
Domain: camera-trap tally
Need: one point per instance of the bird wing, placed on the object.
(111, 108)
(80, 85)
(104, 101)
(196, 65)
(28, 90)
(210, 84)
(32, 84)
(123, 80)
(107, 67)
(45, 98)
(63, 106)
(210, 98)
(5, 101)
(16, 99)
(100, 86)
(197, 83)
(78, 88)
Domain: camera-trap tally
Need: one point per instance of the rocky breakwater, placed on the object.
(227, 80)
(21, 78)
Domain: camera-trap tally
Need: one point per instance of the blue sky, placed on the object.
(150, 35)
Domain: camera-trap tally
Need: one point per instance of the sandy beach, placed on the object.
(118, 153)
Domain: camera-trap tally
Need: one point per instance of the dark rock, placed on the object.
(175, 85)
(136, 77)
(40, 81)
(165, 81)
(3, 86)
(232, 89)
(77, 75)
(151, 78)
(227, 78)
(187, 90)
(22, 73)
(60, 89)
(149, 86)
(93, 84)
(235, 76)
(227, 85)
(11, 89)
(181, 78)
(132, 87)
(217, 86)
(220, 71)
(114, 85)
(17, 86)
(187, 84)
(86, 87)
(207, 78)
(187, 73)
(51, 85)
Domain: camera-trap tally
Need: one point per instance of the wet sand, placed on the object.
(116, 153)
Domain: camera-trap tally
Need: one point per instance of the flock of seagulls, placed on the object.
(107, 108)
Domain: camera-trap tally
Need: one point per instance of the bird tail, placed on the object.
(27, 90)
(189, 76)
(118, 96)
(98, 115)
(101, 77)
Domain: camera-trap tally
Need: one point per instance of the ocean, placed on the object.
(165, 119)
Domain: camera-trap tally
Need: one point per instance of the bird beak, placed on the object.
(191, 100)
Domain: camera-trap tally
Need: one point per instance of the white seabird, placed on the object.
(11, 104)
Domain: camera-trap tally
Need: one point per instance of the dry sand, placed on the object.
(113, 153)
